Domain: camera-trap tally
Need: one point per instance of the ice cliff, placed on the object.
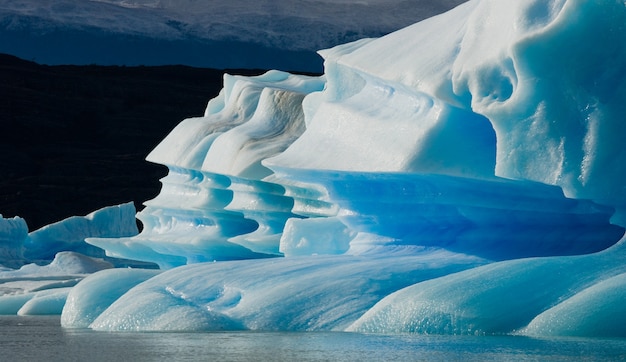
(462, 175)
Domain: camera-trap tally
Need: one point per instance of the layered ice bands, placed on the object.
(253, 118)
(493, 218)
(464, 175)
(214, 204)
(549, 76)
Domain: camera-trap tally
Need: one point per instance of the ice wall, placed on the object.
(493, 218)
(70, 234)
(13, 233)
(18, 246)
(549, 76)
(364, 123)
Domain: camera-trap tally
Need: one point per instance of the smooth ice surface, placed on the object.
(595, 311)
(463, 175)
(47, 302)
(87, 300)
(363, 123)
(36, 290)
(573, 295)
(299, 293)
(312, 236)
(248, 110)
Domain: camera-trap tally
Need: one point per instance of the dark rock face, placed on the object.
(73, 138)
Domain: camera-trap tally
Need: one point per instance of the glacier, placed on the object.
(463, 175)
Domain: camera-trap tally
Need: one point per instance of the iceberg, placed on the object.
(13, 234)
(18, 246)
(70, 234)
(463, 175)
(42, 266)
(42, 289)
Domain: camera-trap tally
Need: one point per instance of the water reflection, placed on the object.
(42, 338)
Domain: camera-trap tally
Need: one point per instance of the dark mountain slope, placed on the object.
(74, 138)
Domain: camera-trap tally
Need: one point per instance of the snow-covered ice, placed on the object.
(463, 175)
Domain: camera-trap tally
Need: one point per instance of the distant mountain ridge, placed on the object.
(235, 34)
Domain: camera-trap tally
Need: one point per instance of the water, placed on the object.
(42, 338)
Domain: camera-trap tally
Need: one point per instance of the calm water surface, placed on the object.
(42, 338)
